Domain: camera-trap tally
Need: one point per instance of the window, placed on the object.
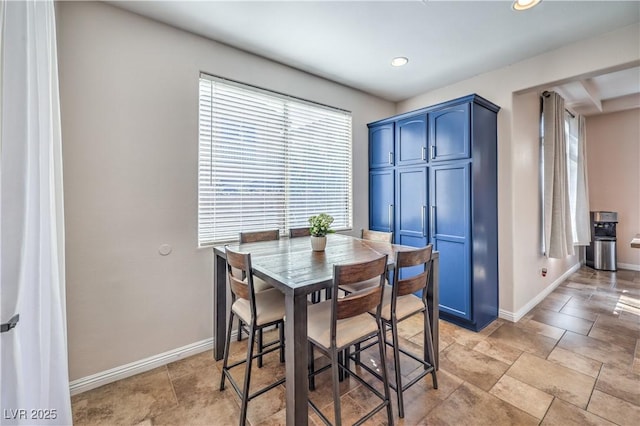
(268, 161)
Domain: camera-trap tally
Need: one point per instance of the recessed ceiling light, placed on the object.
(399, 61)
(524, 4)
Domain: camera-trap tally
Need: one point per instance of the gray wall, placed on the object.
(129, 90)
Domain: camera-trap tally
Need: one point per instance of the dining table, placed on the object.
(291, 266)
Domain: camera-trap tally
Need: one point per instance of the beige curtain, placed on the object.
(583, 230)
(558, 236)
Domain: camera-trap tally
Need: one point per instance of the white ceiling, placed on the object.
(353, 42)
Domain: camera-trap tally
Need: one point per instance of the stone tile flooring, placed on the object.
(573, 360)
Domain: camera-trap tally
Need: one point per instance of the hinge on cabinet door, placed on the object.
(11, 324)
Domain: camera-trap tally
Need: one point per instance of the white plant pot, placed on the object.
(318, 243)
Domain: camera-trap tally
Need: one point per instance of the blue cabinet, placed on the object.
(381, 200)
(449, 130)
(438, 184)
(450, 223)
(381, 145)
(411, 140)
(411, 201)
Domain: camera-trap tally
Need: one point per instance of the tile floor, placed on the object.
(573, 360)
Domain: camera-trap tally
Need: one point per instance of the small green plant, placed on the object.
(320, 225)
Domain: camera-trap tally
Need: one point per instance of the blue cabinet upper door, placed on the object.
(381, 146)
(411, 140)
(411, 206)
(450, 235)
(449, 133)
(381, 202)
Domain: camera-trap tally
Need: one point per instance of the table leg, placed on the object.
(219, 307)
(296, 350)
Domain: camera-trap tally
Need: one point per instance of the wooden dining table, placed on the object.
(292, 267)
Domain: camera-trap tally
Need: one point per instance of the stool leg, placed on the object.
(281, 333)
(239, 336)
(385, 376)
(247, 377)
(312, 369)
(428, 348)
(396, 363)
(335, 368)
(226, 351)
(260, 348)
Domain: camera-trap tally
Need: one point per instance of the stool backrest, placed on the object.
(367, 234)
(256, 236)
(420, 281)
(299, 232)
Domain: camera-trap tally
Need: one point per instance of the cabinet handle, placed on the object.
(391, 158)
(424, 211)
(433, 221)
(424, 153)
(433, 152)
(390, 216)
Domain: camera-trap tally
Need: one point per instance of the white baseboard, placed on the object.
(517, 316)
(629, 266)
(99, 379)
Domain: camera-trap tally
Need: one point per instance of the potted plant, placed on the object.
(320, 227)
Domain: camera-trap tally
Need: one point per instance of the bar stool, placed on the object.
(257, 311)
(399, 303)
(350, 323)
(259, 284)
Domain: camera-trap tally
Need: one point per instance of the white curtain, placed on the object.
(582, 235)
(558, 236)
(34, 372)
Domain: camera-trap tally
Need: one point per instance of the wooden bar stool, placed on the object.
(257, 311)
(350, 323)
(399, 303)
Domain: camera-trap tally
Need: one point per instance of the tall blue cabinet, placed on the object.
(433, 179)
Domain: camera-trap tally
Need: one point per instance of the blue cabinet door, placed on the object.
(381, 200)
(411, 206)
(411, 140)
(381, 146)
(450, 235)
(449, 133)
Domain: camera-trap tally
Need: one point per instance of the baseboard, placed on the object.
(517, 316)
(629, 266)
(99, 379)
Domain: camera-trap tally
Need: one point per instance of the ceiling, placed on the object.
(353, 42)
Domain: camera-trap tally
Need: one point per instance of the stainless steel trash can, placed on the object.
(601, 253)
(604, 255)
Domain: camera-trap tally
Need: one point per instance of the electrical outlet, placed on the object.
(543, 272)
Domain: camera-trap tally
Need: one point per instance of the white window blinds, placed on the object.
(268, 161)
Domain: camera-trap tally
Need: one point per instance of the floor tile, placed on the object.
(563, 321)
(579, 312)
(619, 326)
(498, 350)
(604, 352)
(541, 328)
(192, 364)
(470, 405)
(474, 367)
(614, 409)
(562, 413)
(521, 395)
(575, 361)
(559, 381)
(621, 383)
(523, 339)
(147, 395)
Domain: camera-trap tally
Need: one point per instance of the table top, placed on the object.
(290, 265)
